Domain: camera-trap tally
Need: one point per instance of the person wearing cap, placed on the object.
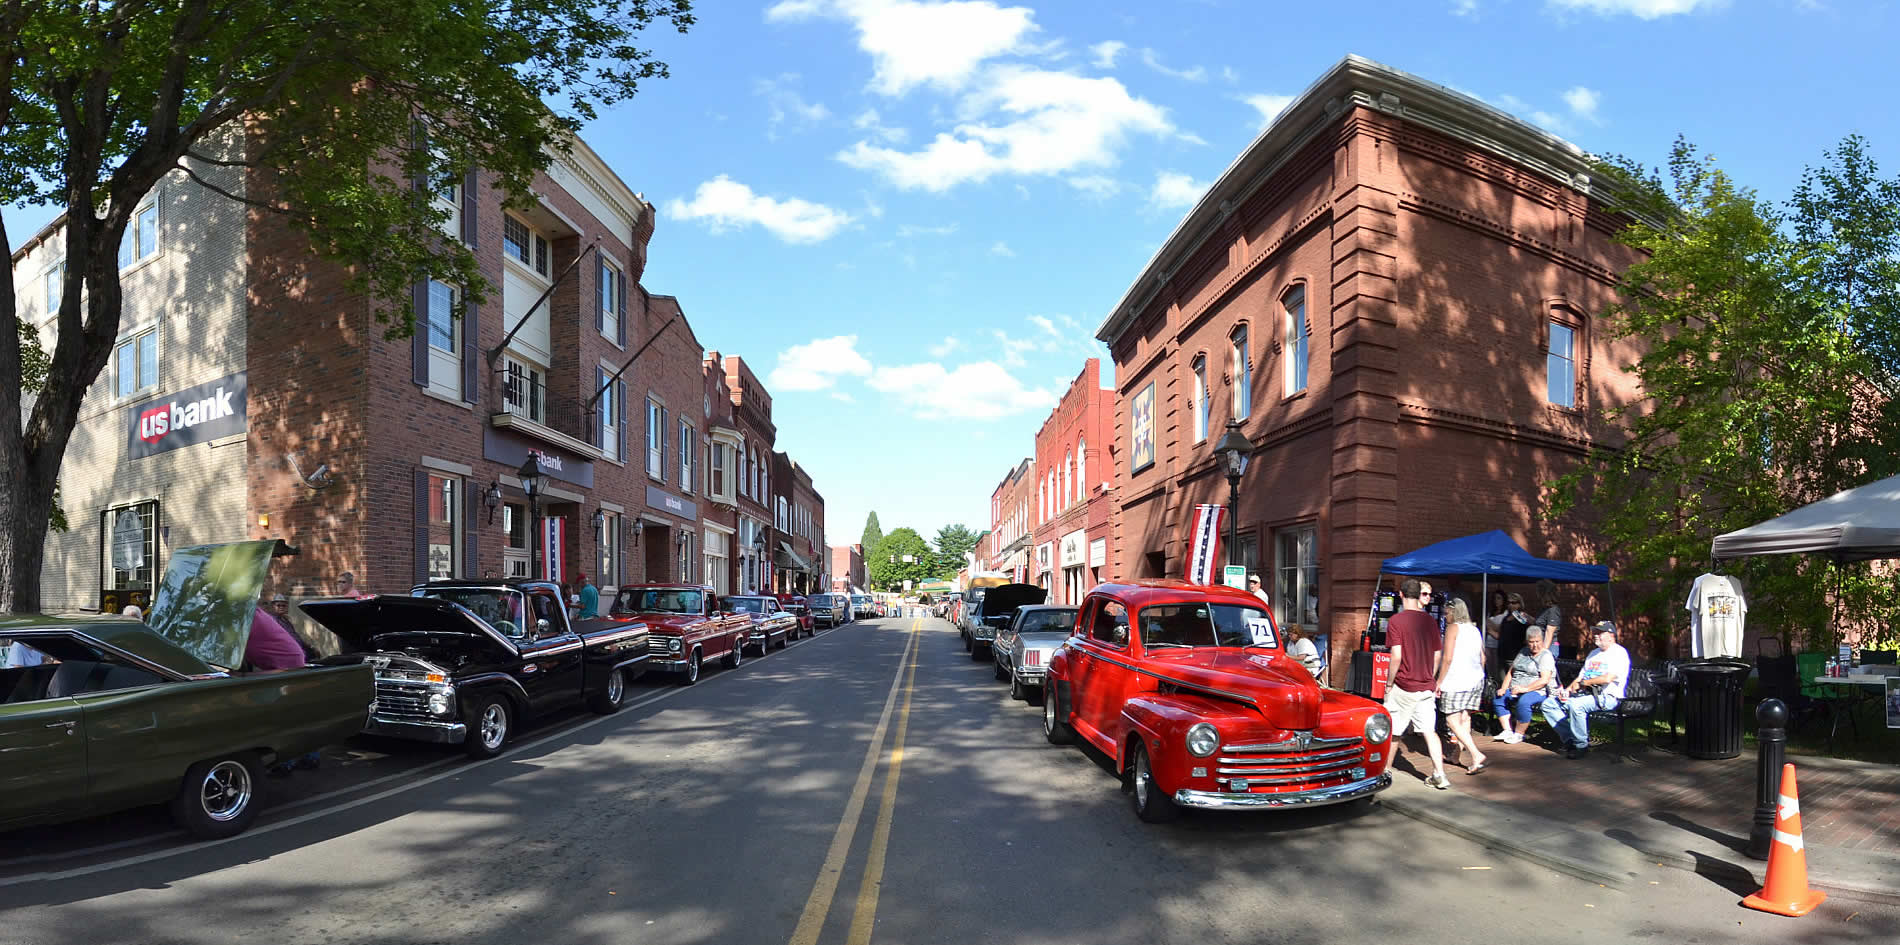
(1598, 687)
(1254, 588)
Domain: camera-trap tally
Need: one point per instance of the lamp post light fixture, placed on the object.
(532, 479)
(1234, 450)
(600, 522)
(492, 499)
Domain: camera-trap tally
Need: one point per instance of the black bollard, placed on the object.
(1771, 743)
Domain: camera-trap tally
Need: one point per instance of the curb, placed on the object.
(1724, 865)
(1602, 873)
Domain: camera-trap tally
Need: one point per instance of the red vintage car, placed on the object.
(684, 627)
(795, 603)
(1186, 687)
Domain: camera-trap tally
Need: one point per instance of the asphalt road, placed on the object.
(870, 784)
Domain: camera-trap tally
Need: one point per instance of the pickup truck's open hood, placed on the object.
(1002, 600)
(392, 622)
(205, 602)
(1270, 680)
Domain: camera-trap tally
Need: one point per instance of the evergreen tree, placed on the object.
(873, 535)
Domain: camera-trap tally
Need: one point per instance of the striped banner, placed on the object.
(553, 538)
(1203, 564)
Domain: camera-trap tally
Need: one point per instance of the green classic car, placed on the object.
(104, 713)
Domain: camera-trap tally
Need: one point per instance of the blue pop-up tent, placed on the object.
(1491, 554)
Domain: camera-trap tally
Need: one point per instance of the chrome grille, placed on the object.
(1296, 761)
(402, 700)
(659, 646)
(1032, 658)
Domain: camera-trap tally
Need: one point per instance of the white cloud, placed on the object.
(1228, 74)
(1641, 9)
(1175, 191)
(1014, 348)
(1153, 61)
(787, 106)
(1583, 103)
(1058, 122)
(1048, 326)
(725, 204)
(817, 364)
(1465, 8)
(980, 390)
(841, 395)
(1268, 105)
(1106, 52)
(1543, 119)
(1000, 248)
(948, 344)
(915, 43)
(908, 230)
(1096, 185)
(870, 121)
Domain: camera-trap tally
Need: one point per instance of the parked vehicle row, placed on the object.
(1189, 692)
(832, 610)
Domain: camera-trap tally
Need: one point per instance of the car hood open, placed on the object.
(423, 624)
(1002, 601)
(1274, 683)
(205, 602)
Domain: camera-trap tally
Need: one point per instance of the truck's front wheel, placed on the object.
(490, 721)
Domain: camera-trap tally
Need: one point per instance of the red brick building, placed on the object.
(1007, 547)
(1396, 290)
(1073, 495)
(723, 443)
(847, 568)
(752, 416)
(798, 522)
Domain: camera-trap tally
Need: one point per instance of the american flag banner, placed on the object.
(553, 539)
(1203, 565)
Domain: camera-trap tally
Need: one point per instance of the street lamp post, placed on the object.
(531, 478)
(1235, 450)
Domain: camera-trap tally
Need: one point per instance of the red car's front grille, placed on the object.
(1032, 658)
(1290, 764)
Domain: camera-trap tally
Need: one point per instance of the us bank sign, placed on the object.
(194, 415)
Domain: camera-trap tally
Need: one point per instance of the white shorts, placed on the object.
(1411, 710)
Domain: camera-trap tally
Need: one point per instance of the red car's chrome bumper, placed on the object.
(1317, 797)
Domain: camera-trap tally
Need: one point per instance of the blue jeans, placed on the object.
(1518, 707)
(1575, 711)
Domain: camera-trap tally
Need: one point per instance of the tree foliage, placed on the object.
(953, 542)
(340, 110)
(887, 570)
(872, 537)
(1768, 366)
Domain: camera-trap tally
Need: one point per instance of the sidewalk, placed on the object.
(1605, 818)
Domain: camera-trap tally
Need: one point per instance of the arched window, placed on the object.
(1242, 370)
(1296, 354)
(1068, 489)
(1082, 464)
(1199, 404)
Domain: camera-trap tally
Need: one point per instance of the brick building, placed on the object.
(1012, 522)
(847, 568)
(752, 417)
(1396, 292)
(1073, 497)
(798, 518)
(723, 448)
(395, 460)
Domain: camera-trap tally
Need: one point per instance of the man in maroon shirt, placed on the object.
(1414, 640)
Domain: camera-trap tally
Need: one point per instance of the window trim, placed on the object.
(1241, 366)
(1297, 347)
(539, 262)
(1197, 399)
(688, 438)
(607, 297)
(656, 440)
(132, 340)
(132, 228)
(1559, 311)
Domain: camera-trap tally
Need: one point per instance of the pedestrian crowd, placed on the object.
(1451, 674)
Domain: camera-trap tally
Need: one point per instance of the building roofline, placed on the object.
(1352, 82)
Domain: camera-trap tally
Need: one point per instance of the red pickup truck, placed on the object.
(685, 627)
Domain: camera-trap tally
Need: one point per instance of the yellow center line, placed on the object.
(866, 913)
(812, 920)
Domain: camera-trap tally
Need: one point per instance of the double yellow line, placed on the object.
(818, 906)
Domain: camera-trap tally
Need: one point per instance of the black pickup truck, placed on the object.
(464, 662)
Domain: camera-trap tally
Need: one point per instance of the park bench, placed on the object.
(1639, 700)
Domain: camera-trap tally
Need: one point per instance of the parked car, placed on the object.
(861, 606)
(993, 611)
(832, 610)
(797, 605)
(685, 627)
(1024, 647)
(1187, 689)
(467, 662)
(102, 714)
(767, 621)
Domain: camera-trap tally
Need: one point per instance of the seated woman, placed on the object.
(1532, 676)
(1301, 647)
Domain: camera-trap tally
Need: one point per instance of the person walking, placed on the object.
(346, 586)
(1461, 681)
(1411, 700)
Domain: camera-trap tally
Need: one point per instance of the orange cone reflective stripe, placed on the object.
(1786, 891)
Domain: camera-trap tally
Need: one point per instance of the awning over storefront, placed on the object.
(789, 560)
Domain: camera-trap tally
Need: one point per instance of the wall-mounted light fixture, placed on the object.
(600, 522)
(492, 499)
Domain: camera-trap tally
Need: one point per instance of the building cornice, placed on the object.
(1354, 82)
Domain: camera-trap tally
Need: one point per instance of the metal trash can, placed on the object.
(1712, 707)
(1359, 673)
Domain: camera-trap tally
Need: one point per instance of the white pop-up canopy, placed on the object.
(1855, 525)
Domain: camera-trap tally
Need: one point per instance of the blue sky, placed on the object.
(910, 216)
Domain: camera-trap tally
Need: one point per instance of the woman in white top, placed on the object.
(1301, 647)
(1461, 680)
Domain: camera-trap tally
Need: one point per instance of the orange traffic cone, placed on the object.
(1787, 891)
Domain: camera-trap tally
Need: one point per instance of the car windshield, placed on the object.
(746, 605)
(1193, 625)
(497, 606)
(1047, 621)
(658, 601)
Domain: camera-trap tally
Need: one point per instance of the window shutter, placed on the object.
(590, 417)
(422, 526)
(620, 412)
(471, 530)
(620, 334)
(601, 272)
(419, 341)
(469, 229)
(471, 329)
(620, 546)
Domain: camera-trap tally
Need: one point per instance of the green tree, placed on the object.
(873, 536)
(953, 542)
(1767, 378)
(887, 570)
(339, 110)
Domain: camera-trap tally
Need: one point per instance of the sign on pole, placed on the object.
(1235, 575)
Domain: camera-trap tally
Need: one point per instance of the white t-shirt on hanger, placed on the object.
(1717, 610)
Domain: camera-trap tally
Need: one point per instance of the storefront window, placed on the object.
(1296, 588)
(445, 532)
(716, 558)
(129, 547)
(607, 550)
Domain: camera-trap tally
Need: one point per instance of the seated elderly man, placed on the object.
(1528, 683)
(1598, 687)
